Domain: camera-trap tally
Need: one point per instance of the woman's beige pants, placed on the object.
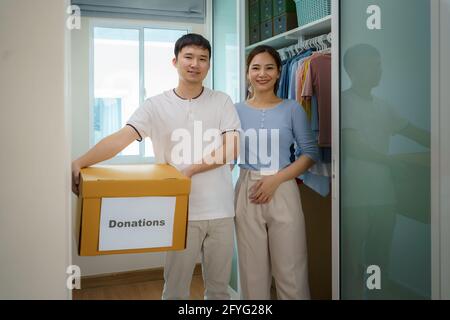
(271, 242)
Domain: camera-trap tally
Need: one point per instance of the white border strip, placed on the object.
(444, 170)
(335, 129)
(435, 155)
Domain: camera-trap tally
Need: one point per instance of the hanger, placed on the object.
(292, 48)
(317, 44)
(310, 44)
(321, 42)
(289, 50)
(328, 38)
(282, 54)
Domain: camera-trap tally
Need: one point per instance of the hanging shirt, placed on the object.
(314, 115)
(302, 73)
(285, 78)
(296, 64)
(292, 89)
(280, 91)
(318, 183)
(318, 82)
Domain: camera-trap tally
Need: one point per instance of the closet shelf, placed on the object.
(291, 37)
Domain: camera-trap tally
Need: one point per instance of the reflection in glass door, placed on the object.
(385, 231)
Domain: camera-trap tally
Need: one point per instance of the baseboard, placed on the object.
(128, 277)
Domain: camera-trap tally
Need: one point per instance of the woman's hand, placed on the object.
(262, 191)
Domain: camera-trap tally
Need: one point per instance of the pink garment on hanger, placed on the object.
(318, 83)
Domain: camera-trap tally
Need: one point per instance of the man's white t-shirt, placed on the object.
(166, 118)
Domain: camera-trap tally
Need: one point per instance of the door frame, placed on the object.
(335, 147)
(435, 155)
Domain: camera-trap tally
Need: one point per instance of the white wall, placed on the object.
(34, 156)
(80, 144)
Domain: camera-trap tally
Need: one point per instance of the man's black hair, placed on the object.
(192, 39)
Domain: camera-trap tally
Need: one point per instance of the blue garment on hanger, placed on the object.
(319, 184)
(282, 79)
(298, 60)
(285, 77)
(325, 154)
(292, 90)
(293, 72)
(314, 114)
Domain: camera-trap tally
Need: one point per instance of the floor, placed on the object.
(150, 290)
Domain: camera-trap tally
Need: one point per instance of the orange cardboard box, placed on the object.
(132, 209)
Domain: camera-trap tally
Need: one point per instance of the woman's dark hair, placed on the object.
(192, 39)
(275, 55)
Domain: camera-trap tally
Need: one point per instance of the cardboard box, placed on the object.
(132, 209)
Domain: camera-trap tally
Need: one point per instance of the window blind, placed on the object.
(181, 10)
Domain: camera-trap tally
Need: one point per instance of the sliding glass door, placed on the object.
(385, 149)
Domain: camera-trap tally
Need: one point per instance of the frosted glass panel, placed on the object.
(226, 71)
(225, 48)
(385, 149)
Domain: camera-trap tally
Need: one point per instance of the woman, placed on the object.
(270, 225)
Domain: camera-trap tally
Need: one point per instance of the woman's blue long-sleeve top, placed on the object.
(267, 135)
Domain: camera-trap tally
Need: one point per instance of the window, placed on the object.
(129, 65)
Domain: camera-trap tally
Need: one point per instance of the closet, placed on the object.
(301, 31)
(378, 233)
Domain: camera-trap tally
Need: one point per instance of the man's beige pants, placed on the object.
(271, 242)
(214, 240)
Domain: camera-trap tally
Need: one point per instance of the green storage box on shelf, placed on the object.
(266, 30)
(284, 22)
(254, 35)
(253, 14)
(312, 10)
(283, 6)
(266, 10)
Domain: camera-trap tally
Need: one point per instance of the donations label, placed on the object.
(136, 223)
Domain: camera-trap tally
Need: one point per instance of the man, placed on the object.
(189, 112)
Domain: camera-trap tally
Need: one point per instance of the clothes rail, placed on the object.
(321, 43)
